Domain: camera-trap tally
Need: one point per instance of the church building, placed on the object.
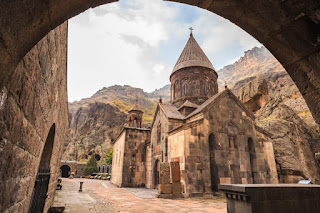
(211, 134)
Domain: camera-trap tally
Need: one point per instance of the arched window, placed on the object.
(205, 89)
(231, 141)
(174, 92)
(185, 89)
(232, 135)
(166, 153)
(159, 133)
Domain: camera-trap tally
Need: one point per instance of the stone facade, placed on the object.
(71, 169)
(129, 157)
(221, 145)
(33, 122)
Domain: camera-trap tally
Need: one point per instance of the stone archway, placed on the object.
(40, 190)
(65, 171)
(290, 30)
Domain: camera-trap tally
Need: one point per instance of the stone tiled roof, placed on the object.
(215, 99)
(171, 111)
(135, 107)
(192, 55)
(187, 103)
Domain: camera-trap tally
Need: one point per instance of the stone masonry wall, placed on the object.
(34, 100)
(134, 159)
(230, 160)
(117, 159)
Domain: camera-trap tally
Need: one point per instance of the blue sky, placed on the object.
(137, 43)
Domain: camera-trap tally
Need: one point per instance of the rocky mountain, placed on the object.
(291, 141)
(163, 92)
(259, 62)
(94, 122)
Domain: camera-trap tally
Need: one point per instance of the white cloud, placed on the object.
(130, 42)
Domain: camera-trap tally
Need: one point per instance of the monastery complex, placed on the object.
(201, 139)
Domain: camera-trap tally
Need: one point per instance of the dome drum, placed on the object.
(195, 84)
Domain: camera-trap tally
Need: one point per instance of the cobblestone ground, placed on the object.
(102, 196)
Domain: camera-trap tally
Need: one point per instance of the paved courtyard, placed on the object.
(102, 196)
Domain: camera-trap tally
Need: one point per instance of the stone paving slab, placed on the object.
(142, 192)
(102, 196)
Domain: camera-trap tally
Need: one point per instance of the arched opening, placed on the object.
(174, 92)
(97, 157)
(213, 164)
(159, 133)
(216, 6)
(252, 156)
(205, 89)
(156, 173)
(40, 189)
(185, 89)
(65, 171)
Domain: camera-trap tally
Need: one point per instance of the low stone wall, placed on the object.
(266, 198)
(169, 180)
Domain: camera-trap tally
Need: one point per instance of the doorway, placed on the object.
(65, 171)
(213, 164)
(156, 173)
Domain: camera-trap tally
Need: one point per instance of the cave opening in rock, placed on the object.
(97, 157)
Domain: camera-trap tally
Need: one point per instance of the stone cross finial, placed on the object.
(160, 100)
(225, 85)
(190, 30)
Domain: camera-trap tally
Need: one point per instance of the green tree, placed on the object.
(109, 157)
(91, 166)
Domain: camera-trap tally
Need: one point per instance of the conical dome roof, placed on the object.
(135, 107)
(192, 55)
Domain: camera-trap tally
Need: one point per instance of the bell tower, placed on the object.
(135, 115)
(193, 77)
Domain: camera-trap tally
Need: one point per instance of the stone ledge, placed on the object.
(265, 198)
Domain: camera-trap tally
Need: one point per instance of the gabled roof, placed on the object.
(216, 98)
(135, 107)
(192, 55)
(187, 103)
(171, 111)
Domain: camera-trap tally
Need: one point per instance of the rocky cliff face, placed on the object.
(291, 138)
(91, 130)
(258, 63)
(294, 157)
(94, 122)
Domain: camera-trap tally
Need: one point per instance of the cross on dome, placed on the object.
(191, 30)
